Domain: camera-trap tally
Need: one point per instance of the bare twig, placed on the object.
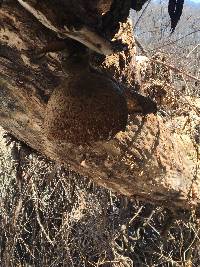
(135, 215)
(143, 11)
(173, 42)
(35, 200)
(192, 50)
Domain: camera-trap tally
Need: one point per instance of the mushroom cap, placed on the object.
(87, 107)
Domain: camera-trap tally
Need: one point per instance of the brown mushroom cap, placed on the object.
(88, 107)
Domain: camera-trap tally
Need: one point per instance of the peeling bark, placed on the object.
(143, 162)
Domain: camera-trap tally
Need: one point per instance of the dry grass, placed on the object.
(50, 216)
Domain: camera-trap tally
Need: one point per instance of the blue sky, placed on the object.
(195, 1)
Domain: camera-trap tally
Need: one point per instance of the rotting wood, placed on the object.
(144, 161)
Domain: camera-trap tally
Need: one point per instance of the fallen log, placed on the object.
(145, 161)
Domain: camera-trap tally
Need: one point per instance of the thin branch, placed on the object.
(35, 201)
(173, 42)
(192, 50)
(143, 11)
(135, 215)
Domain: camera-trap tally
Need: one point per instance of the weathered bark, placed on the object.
(144, 161)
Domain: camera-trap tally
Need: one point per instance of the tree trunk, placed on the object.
(145, 161)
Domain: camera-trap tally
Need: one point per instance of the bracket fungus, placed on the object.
(87, 107)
